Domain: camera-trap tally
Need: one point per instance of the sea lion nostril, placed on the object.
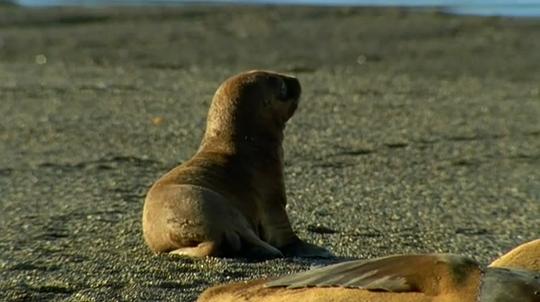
(293, 88)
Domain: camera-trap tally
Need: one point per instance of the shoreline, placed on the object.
(520, 10)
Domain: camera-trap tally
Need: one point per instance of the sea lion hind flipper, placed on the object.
(203, 249)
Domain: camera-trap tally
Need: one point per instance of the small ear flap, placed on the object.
(266, 102)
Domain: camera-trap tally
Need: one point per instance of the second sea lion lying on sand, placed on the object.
(403, 278)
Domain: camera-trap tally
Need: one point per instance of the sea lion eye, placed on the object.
(282, 94)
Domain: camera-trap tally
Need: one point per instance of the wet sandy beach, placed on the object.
(417, 132)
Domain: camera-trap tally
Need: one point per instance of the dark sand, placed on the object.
(417, 132)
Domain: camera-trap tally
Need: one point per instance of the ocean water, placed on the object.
(508, 8)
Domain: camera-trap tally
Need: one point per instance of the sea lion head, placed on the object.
(253, 105)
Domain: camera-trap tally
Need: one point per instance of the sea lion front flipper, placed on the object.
(278, 232)
(300, 248)
(429, 274)
(256, 248)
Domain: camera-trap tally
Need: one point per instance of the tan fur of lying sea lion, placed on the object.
(229, 199)
(515, 277)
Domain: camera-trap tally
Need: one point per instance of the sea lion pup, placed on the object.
(404, 278)
(229, 198)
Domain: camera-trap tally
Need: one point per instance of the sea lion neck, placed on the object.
(236, 125)
(243, 142)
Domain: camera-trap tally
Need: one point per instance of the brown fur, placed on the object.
(255, 291)
(525, 256)
(428, 278)
(229, 199)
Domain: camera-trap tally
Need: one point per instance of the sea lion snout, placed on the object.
(292, 89)
(287, 86)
